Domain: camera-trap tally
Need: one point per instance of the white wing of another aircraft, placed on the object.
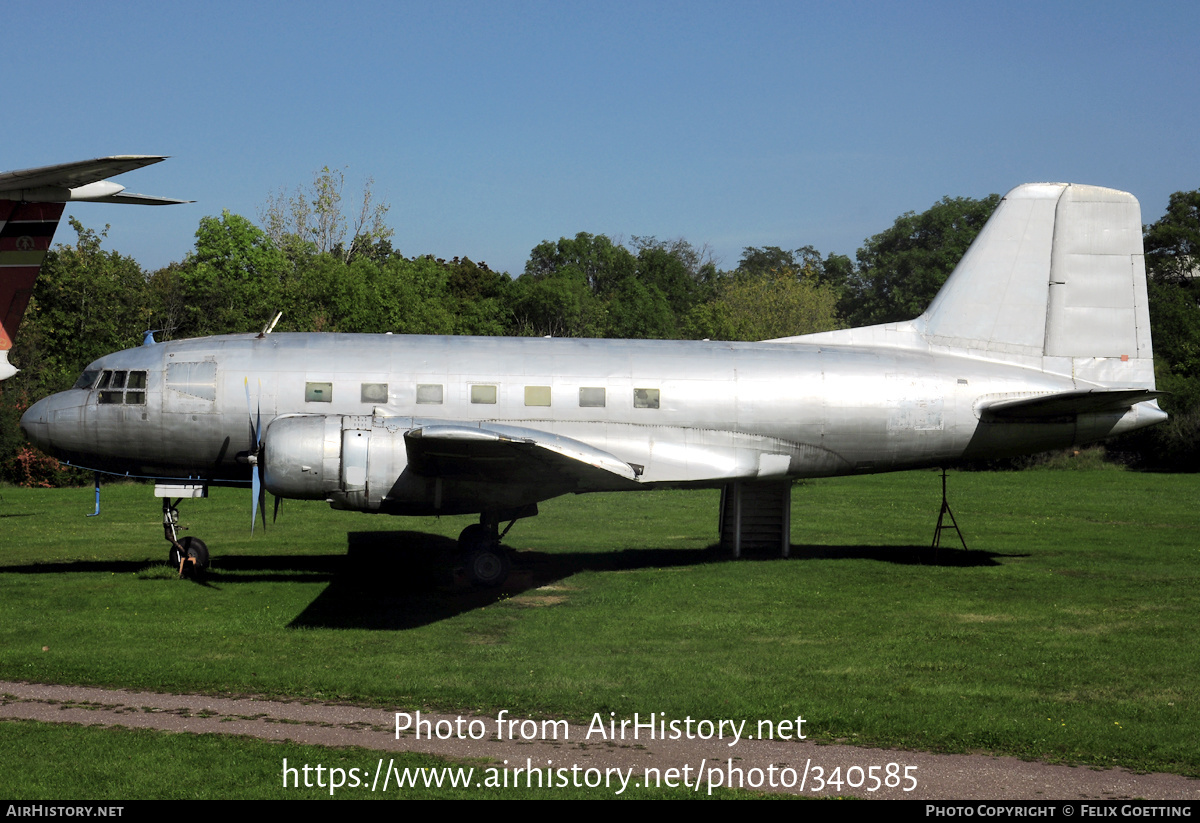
(31, 204)
(81, 180)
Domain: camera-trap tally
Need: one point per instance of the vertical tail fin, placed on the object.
(26, 231)
(1055, 280)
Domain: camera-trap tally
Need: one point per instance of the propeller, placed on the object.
(257, 489)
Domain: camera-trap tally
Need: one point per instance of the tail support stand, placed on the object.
(941, 524)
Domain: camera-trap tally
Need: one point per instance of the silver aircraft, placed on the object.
(1039, 339)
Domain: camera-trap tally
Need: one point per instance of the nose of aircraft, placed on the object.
(35, 423)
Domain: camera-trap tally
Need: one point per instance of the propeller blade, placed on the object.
(275, 516)
(257, 491)
(262, 498)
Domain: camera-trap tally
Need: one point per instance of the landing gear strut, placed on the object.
(189, 555)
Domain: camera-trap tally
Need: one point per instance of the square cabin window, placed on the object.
(429, 394)
(645, 398)
(318, 392)
(537, 395)
(483, 394)
(374, 392)
(591, 397)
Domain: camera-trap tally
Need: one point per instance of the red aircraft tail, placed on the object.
(31, 204)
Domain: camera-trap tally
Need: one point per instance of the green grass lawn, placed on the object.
(1065, 633)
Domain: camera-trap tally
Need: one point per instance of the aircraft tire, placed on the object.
(197, 550)
(487, 567)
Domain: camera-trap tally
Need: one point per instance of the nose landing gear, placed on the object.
(189, 555)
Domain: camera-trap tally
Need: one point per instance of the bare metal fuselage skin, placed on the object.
(1040, 338)
(725, 412)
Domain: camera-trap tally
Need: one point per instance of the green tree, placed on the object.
(901, 269)
(1172, 246)
(762, 307)
(639, 310)
(595, 258)
(1173, 242)
(315, 215)
(233, 281)
(477, 297)
(559, 304)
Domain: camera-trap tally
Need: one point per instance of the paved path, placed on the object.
(937, 776)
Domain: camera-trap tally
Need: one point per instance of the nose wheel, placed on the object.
(189, 556)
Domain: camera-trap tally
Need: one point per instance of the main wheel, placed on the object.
(487, 567)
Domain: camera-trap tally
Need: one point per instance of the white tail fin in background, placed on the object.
(31, 204)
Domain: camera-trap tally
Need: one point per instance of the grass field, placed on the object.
(1065, 633)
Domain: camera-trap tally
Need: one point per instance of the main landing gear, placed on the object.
(484, 560)
(189, 555)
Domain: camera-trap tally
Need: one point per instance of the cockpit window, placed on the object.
(113, 385)
(86, 379)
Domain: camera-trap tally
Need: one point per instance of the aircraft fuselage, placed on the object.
(681, 413)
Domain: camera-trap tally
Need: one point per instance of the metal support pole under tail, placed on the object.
(941, 524)
(97, 481)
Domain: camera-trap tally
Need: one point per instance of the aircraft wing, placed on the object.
(1069, 402)
(79, 173)
(499, 453)
(81, 180)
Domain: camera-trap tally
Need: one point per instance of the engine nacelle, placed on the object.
(349, 460)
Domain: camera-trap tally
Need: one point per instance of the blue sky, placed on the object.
(491, 126)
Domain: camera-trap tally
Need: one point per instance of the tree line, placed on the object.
(326, 273)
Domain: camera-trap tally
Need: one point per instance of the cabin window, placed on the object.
(429, 394)
(318, 392)
(374, 392)
(135, 393)
(645, 398)
(591, 397)
(87, 379)
(112, 387)
(483, 394)
(537, 395)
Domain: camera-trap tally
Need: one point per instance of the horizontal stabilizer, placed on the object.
(496, 452)
(76, 174)
(81, 180)
(143, 200)
(1060, 404)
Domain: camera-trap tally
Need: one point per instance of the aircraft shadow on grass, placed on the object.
(401, 580)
